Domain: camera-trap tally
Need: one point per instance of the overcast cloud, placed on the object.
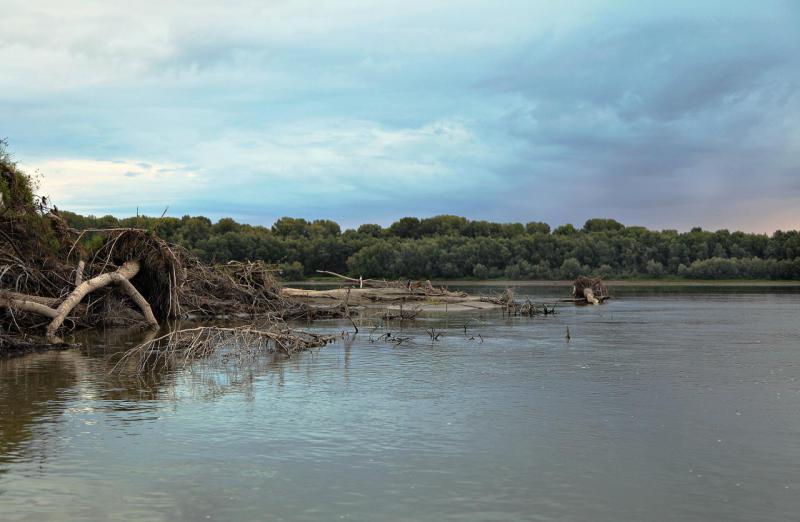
(663, 114)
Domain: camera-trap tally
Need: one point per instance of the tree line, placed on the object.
(448, 247)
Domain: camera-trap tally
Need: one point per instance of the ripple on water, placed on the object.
(660, 407)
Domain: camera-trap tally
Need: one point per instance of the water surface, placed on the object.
(664, 405)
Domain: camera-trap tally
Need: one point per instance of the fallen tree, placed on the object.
(161, 281)
(35, 304)
(40, 282)
(590, 290)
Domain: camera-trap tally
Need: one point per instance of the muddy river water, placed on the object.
(665, 404)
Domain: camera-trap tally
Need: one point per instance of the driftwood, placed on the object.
(26, 303)
(412, 286)
(361, 282)
(79, 272)
(148, 270)
(161, 280)
(514, 307)
(390, 299)
(120, 277)
(590, 290)
(58, 315)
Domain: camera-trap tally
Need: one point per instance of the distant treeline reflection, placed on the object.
(455, 247)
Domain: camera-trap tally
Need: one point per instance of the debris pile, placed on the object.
(590, 290)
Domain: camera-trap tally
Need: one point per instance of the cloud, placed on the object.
(99, 186)
(303, 167)
(664, 122)
(667, 115)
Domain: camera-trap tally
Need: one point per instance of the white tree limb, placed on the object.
(26, 304)
(121, 277)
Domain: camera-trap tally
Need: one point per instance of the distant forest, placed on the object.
(447, 247)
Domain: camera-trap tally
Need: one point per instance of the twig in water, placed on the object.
(434, 334)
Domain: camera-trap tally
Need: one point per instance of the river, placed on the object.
(664, 404)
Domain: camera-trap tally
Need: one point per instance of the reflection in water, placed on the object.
(33, 390)
(37, 390)
(664, 406)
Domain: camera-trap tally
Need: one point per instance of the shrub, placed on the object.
(480, 271)
(292, 271)
(655, 268)
(571, 268)
(605, 271)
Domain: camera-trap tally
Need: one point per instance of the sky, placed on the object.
(661, 114)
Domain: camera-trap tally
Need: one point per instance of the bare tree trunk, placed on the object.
(140, 301)
(121, 277)
(26, 304)
(361, 282)
(350, 279)
(11, 297)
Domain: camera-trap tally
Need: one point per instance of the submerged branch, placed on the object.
(180, 347)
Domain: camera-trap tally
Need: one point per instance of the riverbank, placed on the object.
(628, 282)
(392, 299)
(565, 283)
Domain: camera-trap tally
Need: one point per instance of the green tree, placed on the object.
(480, 271)
(291, 227)
(407, 227)
(370, 230)
(571, 268)
(537, 227)
(602, 225)
(565, 230)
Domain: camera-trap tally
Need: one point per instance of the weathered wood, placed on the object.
(79, 273)
(121, 277)
(47, 301)
(390, 297)
(589, 289)
(26, 304)
(340, 276)
(140, 301)
(361, 282)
